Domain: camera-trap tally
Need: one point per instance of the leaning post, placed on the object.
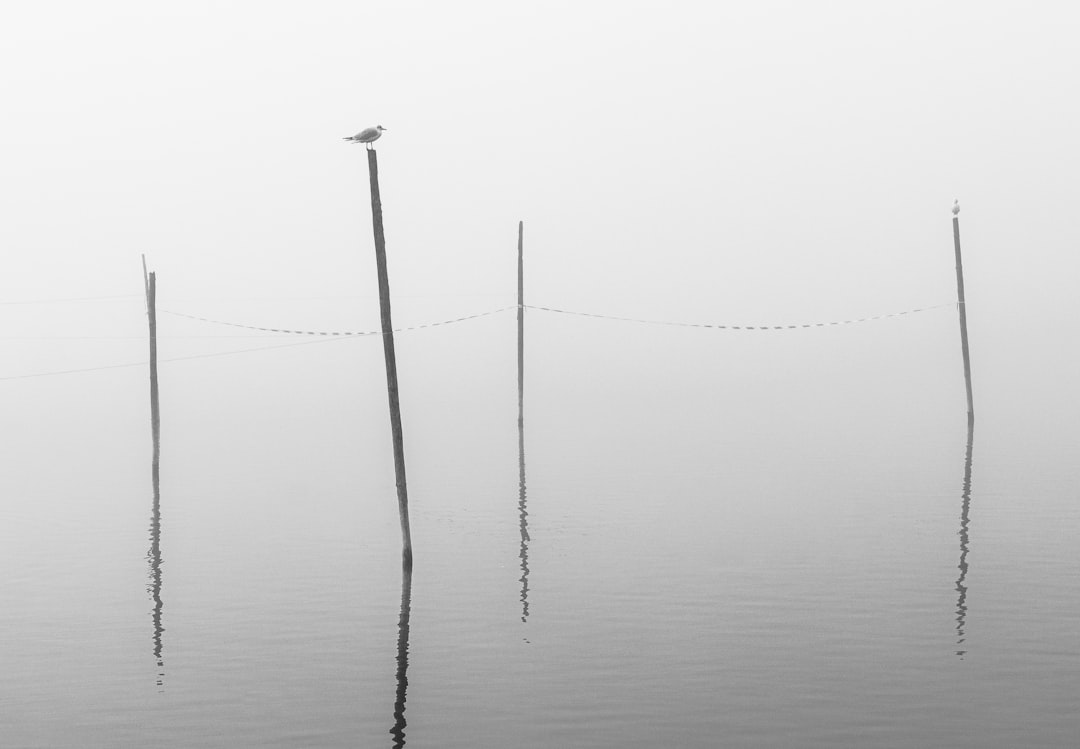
(155, 412)
(521, 324)
(391, 361)
(960, 303)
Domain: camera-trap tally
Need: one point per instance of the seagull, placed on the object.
(367, 135)
(955, 205)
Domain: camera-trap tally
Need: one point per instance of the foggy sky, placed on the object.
(744, 163)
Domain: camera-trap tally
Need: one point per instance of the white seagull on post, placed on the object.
(367, 135)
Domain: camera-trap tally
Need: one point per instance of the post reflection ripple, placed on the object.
(965, 521)
(398, 731)
(154, 558)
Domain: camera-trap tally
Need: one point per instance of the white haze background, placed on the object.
(744, 163)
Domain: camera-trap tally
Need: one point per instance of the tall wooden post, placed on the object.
(521, 324)
(391, 361)
(155, 414)
(963, 310)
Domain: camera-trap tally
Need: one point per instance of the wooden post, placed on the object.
(391, 361)
(963, 310)
(155, 413)
(523, 513)
(521, 323)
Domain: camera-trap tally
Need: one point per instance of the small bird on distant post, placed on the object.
(955, 207)
(367, 135)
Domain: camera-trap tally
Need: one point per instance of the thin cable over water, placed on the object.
(718, 326)
(345, 333)
(339, 335)
(324, 338)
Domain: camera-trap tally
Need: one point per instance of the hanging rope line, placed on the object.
(741, 327)
(327, 336)
(715, 326)
(345, 333)
(324, 338)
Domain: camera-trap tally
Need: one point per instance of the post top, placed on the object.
(956, 208)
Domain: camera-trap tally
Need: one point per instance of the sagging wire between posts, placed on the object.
(715, 326)
(339, 335)
(741, 327)
(327, 339)
(344, 333)
(327, 336)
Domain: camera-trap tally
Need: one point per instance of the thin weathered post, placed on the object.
(391, 361)
(155, 414)
(521, 324)
(963, 310)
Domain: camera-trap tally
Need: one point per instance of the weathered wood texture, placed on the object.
(962, 304)
(391, 360)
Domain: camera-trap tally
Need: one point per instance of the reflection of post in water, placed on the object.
(522, 511)
(965, 507)
(523, 523)
(154, 557)
(398, 731)
(154, 554)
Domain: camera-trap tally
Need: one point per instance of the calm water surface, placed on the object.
(707, 542)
